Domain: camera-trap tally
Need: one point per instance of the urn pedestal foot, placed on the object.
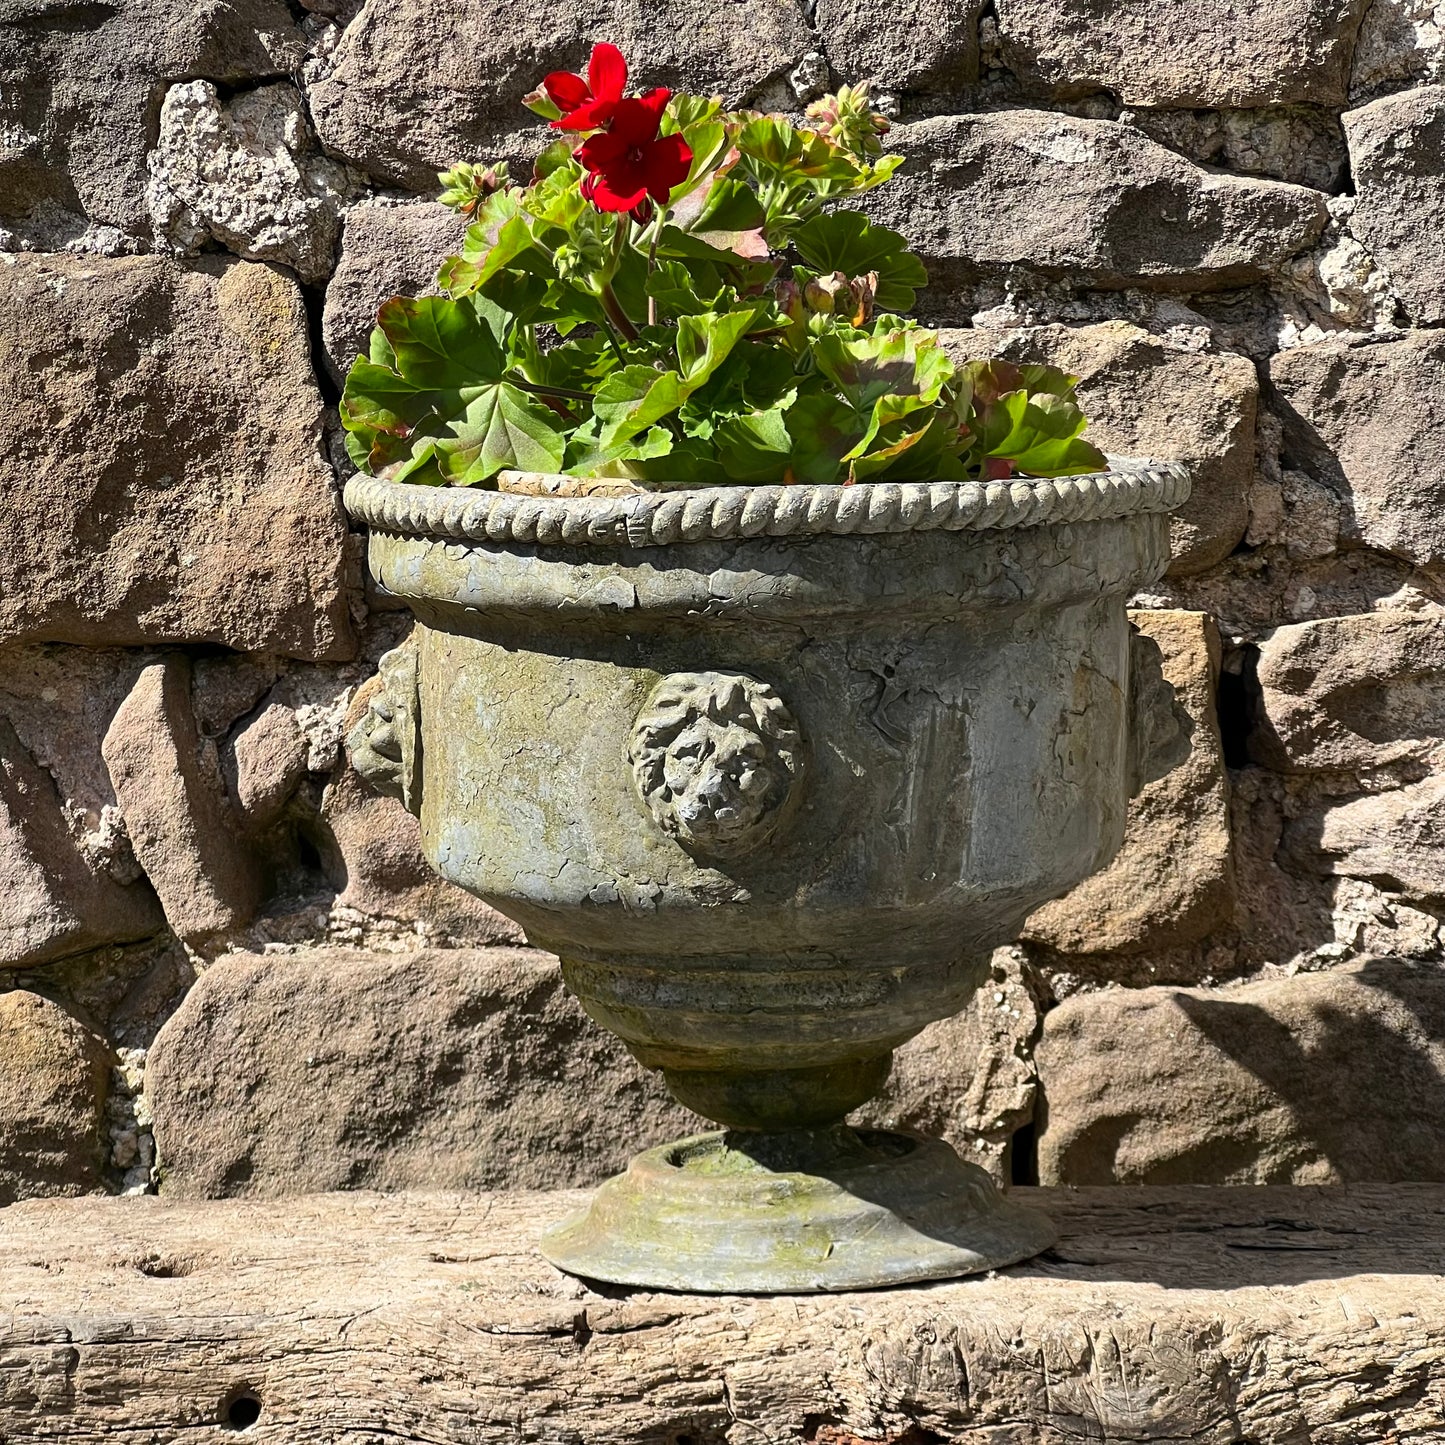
(795, 1212)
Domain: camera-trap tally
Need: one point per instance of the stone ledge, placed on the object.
(1165, 1315)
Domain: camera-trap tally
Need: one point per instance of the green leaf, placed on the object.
(913, 452)
(500, 426)
(849, 242)
(704, 342)
(725, 215)
(632, 399)
(686, 464)
(575, 365)
(381, 410)
(1000, 424)
(680, 244)
(822, 428)
(439, 343)
(685, 111)
(770, 377)
(993, 378)
(699, 120)
(887, 412)
(1049, 379)
(892, 360)
(557, 202)
(588, 457)
(687, 290)
(886, 458)
(1061, 458)
(783, 150)
(754, 448)
(499, 235)
(380, 352)
(1040, 434)
(358, 450)
(552, 158)
(443, 409)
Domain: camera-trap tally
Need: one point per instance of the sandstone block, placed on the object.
(1173, 880)
(901, 45)
(53, 1078)
(1146, 397)
(60, 701)
(267, 761)
(1396, 839)
(1321, 1078)
(247, 173)
(332, 1068)
(1183, 53)
(1297, 143)
(183, 830)
(970, 1079)
(1402, 42)
(53, 901)
(1351, 693)
(172, 413)
(1368, 421)
(386, 250)
(420, 85)
(373, 858)
(1397, 160)
(77, 89)
(1094, 198)
(455, 1068)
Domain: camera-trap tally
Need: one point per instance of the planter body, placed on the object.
(771, 799)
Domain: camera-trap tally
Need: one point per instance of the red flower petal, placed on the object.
(637, 118)
(602, 150)
(667, 162)
(567, 91)
(592, 115)
(619, 190)
(607, 72)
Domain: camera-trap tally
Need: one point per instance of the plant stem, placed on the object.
(615, 314)
(611, 338)
(652, 264)
(608, 297)
(541, 390)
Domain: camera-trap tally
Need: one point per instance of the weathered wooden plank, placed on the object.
(1297, 1316)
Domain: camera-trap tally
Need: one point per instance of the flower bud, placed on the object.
(864, 292)
(821, 294)
(568, 260)
(851, 297)
(540, 103)
(790, 299)
(849, 122)
(465, 187)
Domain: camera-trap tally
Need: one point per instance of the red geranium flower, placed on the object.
(630, 162)
(588, 104)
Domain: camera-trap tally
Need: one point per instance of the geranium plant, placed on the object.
(677, 298)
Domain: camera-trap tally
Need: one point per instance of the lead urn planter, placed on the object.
(772, 770)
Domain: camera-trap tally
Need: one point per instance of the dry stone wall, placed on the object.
(224, 966)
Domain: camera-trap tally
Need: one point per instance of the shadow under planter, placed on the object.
(773, 770)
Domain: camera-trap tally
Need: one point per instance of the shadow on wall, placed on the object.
(1313, 1078)
(1365, 1084)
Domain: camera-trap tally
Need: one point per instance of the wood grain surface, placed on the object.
(1297, 1316)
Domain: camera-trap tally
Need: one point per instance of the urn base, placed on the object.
(799, 1212)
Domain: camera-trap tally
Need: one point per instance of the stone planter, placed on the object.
(772, 770)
